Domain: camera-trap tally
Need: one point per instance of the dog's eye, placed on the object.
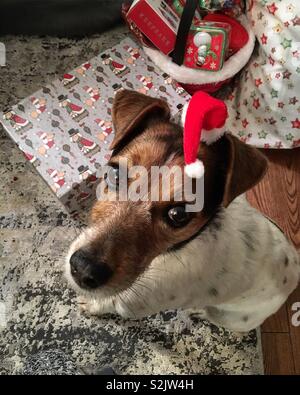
(178, 217)
(112, 177)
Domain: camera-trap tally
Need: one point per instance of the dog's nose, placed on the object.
(87, 271)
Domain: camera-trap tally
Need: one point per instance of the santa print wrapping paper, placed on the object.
(65, 128)
(264, 107)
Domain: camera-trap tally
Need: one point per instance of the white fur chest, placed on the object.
(240, 263)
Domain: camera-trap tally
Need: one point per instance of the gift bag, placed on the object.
(167, 38)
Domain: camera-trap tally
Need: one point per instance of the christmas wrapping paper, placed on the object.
(65, 128)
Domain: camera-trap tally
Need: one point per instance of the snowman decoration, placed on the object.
(202, 41)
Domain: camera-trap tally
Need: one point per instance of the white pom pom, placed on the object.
(194, 170)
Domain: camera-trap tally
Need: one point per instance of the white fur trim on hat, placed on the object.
(188, 75)
(210, 136)
(194, 170)
(53, 173)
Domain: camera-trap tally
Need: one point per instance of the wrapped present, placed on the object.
(157, 21)
(178, 7)
(218, 5)
(233, 8)
(228, 6)
(207, 46)
(65, 129)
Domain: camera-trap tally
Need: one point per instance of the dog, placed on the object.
(228, 261)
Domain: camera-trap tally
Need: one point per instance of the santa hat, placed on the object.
(42, 135)
(29, 157)
(86, 65)
(34, 100)
(52, 173)
(100, 122)
(88, 89)
(203, 119)
(128, 48)
(68, 77)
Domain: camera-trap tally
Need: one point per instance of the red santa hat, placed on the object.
(34, 100)
(52, 173)
(141, 78)
(68, 77)
(203, 119)
(42, 135)
(86, 65)
(29, 157)
(100, 122)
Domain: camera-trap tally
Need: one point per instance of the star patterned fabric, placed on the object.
(264, 107)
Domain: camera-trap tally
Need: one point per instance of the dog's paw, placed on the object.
(93, 307)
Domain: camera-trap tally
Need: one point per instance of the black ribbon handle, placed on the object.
(183, 31)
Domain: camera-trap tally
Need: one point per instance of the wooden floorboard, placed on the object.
(278, 354)
(294, 330)
(278, 323)
(278, 196)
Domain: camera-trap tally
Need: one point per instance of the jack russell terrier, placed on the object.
(137, 258)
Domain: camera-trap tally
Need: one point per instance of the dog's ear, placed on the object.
(245, 168)
(129, 110)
